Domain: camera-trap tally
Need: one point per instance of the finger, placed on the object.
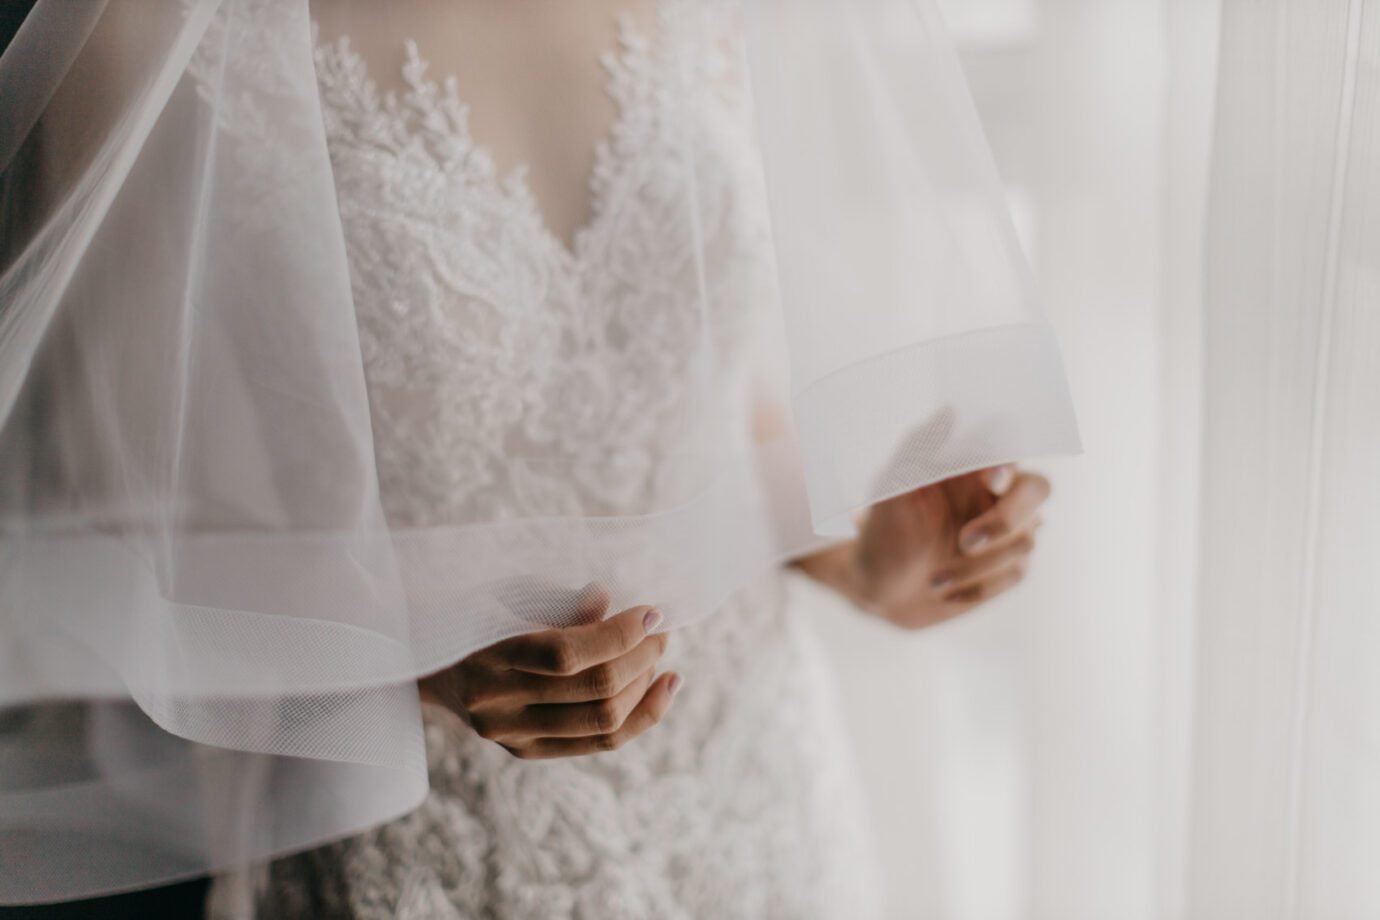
(970, 569)
(601, 682)
(995, 583)
(1010, 514)
(582, 720)
(566, 652)
(999, 479)
(482, 679)
(534, 601)
(648, 712)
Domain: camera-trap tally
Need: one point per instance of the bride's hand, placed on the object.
(934, 553)
(563, 692)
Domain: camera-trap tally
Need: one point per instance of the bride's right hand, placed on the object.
(563, 692)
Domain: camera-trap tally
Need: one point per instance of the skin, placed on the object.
(920, 558)
(564, 692)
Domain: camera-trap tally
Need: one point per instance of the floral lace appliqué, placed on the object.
(508, 374)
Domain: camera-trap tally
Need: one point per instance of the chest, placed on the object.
(495, 337)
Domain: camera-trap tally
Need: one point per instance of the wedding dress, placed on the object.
(481, 328)
(331, 354)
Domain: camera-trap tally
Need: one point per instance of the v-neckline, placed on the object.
(633, 53)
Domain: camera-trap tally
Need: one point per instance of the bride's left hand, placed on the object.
(934, 553)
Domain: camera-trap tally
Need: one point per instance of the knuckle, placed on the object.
(604, 717)
(482, 726)
(1026, 544)
(563, 657)
(610, 742)
(1040, 484)
(602, 681)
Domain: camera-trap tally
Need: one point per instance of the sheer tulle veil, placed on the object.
(192, 542)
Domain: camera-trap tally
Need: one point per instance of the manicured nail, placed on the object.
(674, 685)
(651, 620)
(1001, 480)
(976, 540)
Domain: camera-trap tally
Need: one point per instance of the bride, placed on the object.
(558, 245)
(740, 804)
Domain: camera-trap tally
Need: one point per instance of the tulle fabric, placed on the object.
(191, 530)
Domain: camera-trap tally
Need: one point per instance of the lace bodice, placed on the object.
(510, 373)
(486, 338)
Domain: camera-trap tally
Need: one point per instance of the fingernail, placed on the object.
(976, 540)
(651, 620)
(674, 686)
(942, 581)
(1001, 480)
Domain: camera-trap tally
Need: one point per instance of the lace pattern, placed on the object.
(575, 364)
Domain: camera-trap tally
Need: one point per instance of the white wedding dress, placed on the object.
(483, 331)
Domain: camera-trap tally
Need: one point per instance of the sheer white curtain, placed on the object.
(1285, 818)
(1179, 715)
